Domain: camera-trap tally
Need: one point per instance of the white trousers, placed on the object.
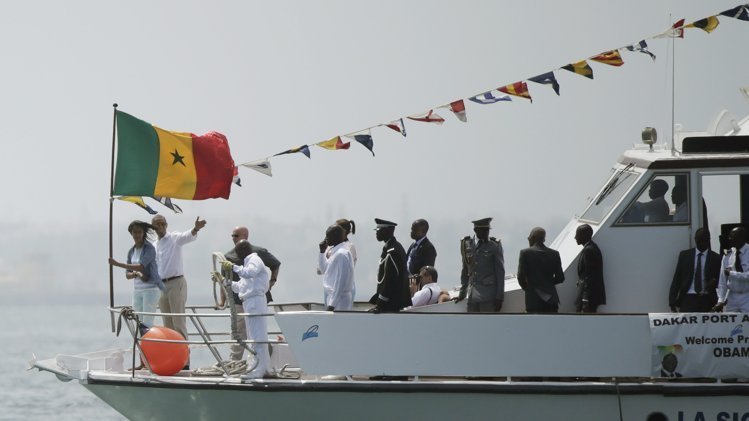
(257, 330)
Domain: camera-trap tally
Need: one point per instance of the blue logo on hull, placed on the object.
(310, 333)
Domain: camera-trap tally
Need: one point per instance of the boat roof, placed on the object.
(725, 143)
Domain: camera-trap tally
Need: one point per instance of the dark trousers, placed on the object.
(534, 304)
(694, 303)
(484, 307)
(592, 308)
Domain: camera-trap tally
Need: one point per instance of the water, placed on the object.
(47, 330)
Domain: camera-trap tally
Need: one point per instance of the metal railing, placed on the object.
(208, 338)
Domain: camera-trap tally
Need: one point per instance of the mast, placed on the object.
(111, 200)
(673, 88)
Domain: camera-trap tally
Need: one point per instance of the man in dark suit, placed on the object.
(392, 277)
(539, 270)
(590, 289)
(421, 252)
(696, 277)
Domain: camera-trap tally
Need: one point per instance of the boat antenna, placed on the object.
(111, 200)
(673, 86)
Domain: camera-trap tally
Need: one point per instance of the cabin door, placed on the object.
(722, 207)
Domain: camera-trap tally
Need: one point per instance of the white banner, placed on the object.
(700, 345)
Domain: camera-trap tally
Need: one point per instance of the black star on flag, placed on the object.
(178, 158)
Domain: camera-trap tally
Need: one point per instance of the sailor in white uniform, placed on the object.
(338, 277)
(254, 282)
(733, 285)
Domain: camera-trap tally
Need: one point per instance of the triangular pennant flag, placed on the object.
(303, 149)
(459, 109)
(642, 47)
(488, 98)
(261, 166)
(365, 138)
(397, 125)
(518, 89)
(428, 117)
(547, 79)
(675, 31)
(707, 24)
(236, 180)
(334, 144)
(612, 58)
(138, 201)
(582, 68)
(738, 12)
(168, 203)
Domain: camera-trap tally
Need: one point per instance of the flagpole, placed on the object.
(111, 201)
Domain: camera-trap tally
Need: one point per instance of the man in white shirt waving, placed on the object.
(733, 285)
(169, 259)
(338, 279)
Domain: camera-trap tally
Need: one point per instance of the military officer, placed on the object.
(392, 276)
(483, 276)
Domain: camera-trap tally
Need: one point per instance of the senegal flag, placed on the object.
(156, 162)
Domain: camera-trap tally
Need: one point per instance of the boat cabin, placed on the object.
(648, 210)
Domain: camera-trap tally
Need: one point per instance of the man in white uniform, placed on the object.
(254, 282)
(338, 279)
(733, 285)
(169, 260)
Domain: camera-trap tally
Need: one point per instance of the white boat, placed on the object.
(439, 362)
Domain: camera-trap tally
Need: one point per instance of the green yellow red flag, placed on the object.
(155, 162)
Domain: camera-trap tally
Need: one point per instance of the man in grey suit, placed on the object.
(539, 270)
(482, 279)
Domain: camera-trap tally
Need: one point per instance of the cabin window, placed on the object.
(618, 184)
(664, 200)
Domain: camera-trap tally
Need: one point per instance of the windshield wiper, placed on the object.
(614, 183)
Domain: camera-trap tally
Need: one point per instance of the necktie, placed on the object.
(738, 266)
(698, 275)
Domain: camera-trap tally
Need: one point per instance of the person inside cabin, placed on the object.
(421, 252)
(590, 287)
(338, 279)
(653, 211)
(679, 198)
(539, 271)
(733, 284)
(141, 267)
(392, 277)
(254, 282)
(424, 288)
(482, 279)
(695, 278)
(169, 259)
(238, 234)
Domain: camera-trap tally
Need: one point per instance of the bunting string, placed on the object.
(503, 93)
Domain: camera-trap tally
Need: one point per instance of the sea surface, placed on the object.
(46, 330)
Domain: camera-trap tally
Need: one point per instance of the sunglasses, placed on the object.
(235, 235)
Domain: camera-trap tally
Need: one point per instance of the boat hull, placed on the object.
(366, 400)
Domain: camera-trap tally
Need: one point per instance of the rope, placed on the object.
(232, 367)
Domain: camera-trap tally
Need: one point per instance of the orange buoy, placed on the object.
(165, 358)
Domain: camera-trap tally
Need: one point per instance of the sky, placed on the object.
(275, 75)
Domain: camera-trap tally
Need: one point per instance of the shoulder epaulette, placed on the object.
(494, 240)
